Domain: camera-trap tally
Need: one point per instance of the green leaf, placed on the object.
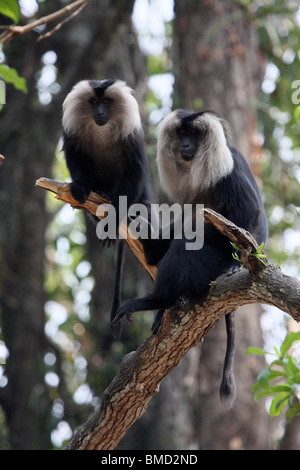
(259, 255)
(10, 75)
(11, 9)
(294, 410)
(297, 112)
(278, 403)
(260, 394)
(289, 340)
(292, 370)
(258, 351)
(264, 377)
(234, 246)
(274, 374)
(281, 388)
(259, 249)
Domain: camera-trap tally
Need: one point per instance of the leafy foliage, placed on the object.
(277, 26)
(281, 379)
(11, 9)
(257, 254)
(80, 353)
(10, 75)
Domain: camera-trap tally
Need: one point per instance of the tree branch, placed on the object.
(14, 30)
(63, 193)
(184, 325)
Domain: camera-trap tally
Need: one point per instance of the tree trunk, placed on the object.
(218, 66)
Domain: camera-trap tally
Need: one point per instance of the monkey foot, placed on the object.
(120, 315)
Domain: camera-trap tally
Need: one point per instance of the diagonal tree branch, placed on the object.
(63, 193)
(184, 325)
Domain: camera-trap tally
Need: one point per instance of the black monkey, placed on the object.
(104, 150)
(198, 164)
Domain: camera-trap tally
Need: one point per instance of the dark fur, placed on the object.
(188, 273)
(183, 273)
(120, 167)
(128, 177)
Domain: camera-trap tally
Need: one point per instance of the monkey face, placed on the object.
(193, 153)
(189, 143)
(108, 104)
(100, 108)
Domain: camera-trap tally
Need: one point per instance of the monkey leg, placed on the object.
(157, 321)
(139, 304)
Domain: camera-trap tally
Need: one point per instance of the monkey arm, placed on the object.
(241, 202)
(80, 168)
(134, 182)
(156, 248)
(156, 244)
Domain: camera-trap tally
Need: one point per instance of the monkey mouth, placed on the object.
(101, 122)
(187, 157)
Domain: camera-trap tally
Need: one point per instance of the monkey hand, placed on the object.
(122, 312)
(79, 191)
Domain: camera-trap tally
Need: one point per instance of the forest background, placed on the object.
(57, 355)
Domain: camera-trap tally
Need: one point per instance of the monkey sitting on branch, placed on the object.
(197, 163)
(103, 142)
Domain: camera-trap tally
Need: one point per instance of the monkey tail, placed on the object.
(117, 329)
(228, 386)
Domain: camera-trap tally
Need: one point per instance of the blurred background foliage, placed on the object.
(81, 358)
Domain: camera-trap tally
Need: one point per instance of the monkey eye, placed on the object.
(180, 131)
(195, 132)
(107, 100)
(93, 100)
